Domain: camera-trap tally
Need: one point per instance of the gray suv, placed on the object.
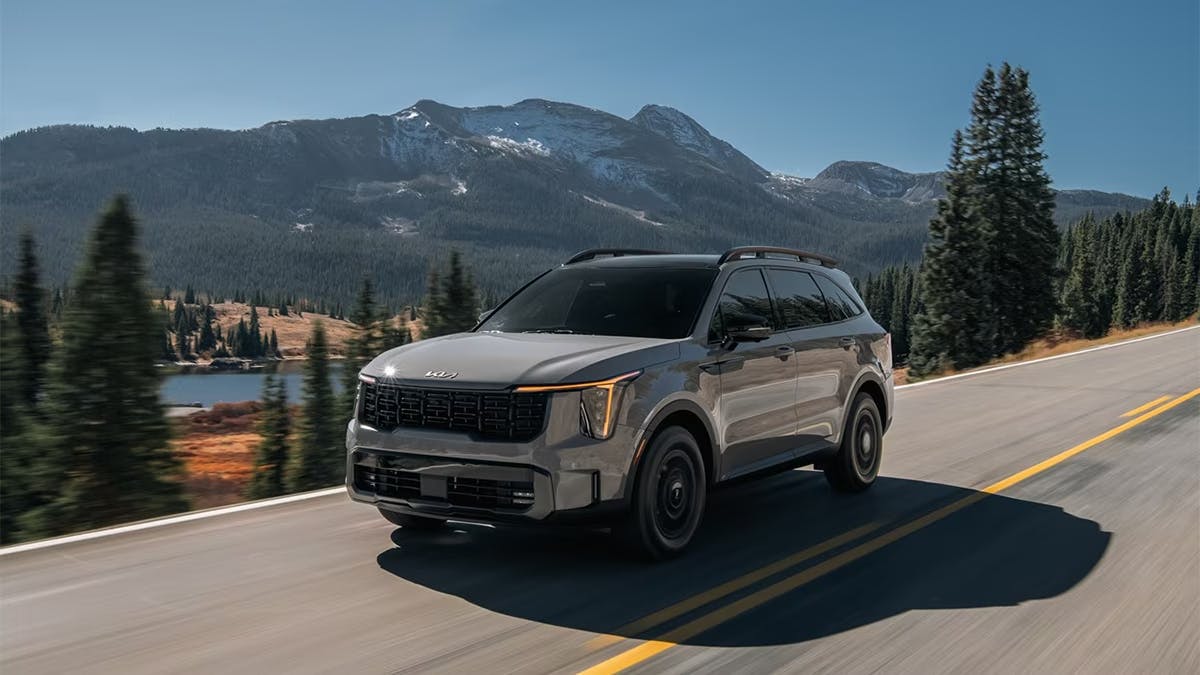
(617, 389)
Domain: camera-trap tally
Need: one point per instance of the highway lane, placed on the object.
(1092, 564)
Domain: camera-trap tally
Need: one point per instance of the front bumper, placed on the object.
(450, 474)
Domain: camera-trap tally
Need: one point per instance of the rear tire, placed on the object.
(412, 522)
(856, 464)
(668, 496)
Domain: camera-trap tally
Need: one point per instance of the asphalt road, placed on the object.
(967, 556)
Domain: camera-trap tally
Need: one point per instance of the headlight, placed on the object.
(598, 402)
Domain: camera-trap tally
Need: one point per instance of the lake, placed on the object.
(188, 385)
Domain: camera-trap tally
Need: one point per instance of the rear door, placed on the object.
(758, 379)
(853, 351)
(816, 338)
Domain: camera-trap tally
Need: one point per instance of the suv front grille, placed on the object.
(479, 493)
(507, 415)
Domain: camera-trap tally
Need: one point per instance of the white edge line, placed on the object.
(171, 520)
(1044, 359)
(264, 503)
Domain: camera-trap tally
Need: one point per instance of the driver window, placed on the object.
(744, 302)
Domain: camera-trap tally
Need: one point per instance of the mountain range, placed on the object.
(309, 206)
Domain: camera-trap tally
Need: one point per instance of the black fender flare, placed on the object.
(650, 429)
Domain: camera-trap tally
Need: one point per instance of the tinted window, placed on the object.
(744, 302)
(840, 304)
(630, 301)
(799, 301)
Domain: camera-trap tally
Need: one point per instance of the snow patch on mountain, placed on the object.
(529, 145)
(548, 129)
(410, 139)
(636, 214)
(401, 226)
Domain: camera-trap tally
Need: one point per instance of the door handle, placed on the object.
(846, 342)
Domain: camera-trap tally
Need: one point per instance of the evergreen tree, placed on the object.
(319, 460)
(16, 451)
(271, 457)
(283, 308)
(274, 345)
(452, 300)
(1017, 205)
(241, 341)
(1080, 300)
(189, 296)
(364, 346)
(208, 339)
(956, 328)
(181, 340)
(255, 335)
(33, 336)
(115, 441)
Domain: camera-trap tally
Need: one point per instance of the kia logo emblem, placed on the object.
(441, 374)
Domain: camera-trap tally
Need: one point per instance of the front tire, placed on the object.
(668, 496)
(856, 464)
(412, 522)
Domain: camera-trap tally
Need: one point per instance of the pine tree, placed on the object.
(181, 340)
(283, 308)
(452, 300)
(241, 341)
(189, 296)
(320, 458)
(33, 336)
(16, 451)
(271, 457)
(179, 315)
(115, 443)
(364, 346)
(274, 346)
(255, 334)
(1080, 303)
(208, 339)
(1017, 204)
(956, 328)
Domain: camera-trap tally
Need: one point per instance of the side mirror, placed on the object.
(485, 314)
(748, 329)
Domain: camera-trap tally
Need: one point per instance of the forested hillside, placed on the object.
(306, 207)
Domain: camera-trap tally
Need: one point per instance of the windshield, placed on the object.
(649, 302)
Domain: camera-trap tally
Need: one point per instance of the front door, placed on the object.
(758, 380)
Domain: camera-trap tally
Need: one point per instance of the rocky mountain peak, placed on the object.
(684, 131)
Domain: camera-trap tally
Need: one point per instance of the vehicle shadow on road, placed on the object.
(996, 552)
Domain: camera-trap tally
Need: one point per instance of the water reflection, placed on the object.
(188, 385)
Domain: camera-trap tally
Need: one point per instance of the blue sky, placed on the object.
(795, 85)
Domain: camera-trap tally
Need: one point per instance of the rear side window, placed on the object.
(840, 305)
(744, 302)
(799, 300)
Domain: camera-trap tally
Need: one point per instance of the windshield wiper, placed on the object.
(560, 330)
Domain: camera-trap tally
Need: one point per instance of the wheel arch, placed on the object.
(690, 416)
(869, 385)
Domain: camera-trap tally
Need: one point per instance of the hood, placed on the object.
(499, 360)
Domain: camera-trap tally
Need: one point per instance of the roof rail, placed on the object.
(593, 253)
(762, 251)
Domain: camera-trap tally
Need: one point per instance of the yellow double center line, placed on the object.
(760, 597)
